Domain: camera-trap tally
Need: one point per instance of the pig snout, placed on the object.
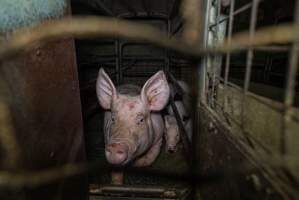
(171, 149)
(116, 153)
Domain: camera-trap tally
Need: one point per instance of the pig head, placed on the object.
(133, 128)
(172, 134)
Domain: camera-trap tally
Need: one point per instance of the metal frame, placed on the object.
(218, 107)
(89, 27)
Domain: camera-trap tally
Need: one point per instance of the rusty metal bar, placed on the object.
(90, 27)
(191, 15)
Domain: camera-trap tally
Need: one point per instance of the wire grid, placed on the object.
(218, 25)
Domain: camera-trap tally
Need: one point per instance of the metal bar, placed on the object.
(177, 86)
(202, 65)
(227, 62)
(250, 55)
(236, 12)
(90, 27)
(265, 101)
(215, 63)
(117, 65)
(257, 158)
(185, 140)
(272, 48)
(290, 85)
(177, 28)
(167, 60)
(133, 190)
(247, 133)
(191, 15)
(8, 140)
(249, 60)
(120, 63)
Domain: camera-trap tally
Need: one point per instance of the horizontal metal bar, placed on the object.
(272, 48)
(265, 101)
(134, 190)
(90, 27)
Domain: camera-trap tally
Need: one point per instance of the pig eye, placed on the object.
(139, 119)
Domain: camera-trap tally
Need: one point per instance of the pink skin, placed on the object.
(133, 128)
(172, 134)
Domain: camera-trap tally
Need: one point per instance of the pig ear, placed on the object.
(105, 89)
(155, 92)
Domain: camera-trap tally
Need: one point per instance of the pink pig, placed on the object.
(133, 126)
(172, 134)
(172, 131)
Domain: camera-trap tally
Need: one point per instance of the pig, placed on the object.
(172, 133)
(186, 97)
(133, 125)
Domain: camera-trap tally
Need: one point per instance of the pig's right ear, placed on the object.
(106, 91)
(155, 92)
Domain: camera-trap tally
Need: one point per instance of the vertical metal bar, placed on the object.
(191, 15)
(227, 62)
(216, 42)
(202, 83)
(290, 85)
(8, 141)
(249, 60)
(166, 68)
(117, 65)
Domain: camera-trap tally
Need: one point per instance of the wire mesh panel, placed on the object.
(260, 112)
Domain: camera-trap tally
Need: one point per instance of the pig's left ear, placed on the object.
(155, 92)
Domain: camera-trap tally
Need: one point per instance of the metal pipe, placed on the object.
(227, 62)
(249, 60)
(290, 87)
(89, 27)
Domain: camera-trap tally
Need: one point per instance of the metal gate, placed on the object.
(246, 118)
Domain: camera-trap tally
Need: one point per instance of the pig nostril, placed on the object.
(171, 151)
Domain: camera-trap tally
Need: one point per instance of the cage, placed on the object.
(239, 58)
